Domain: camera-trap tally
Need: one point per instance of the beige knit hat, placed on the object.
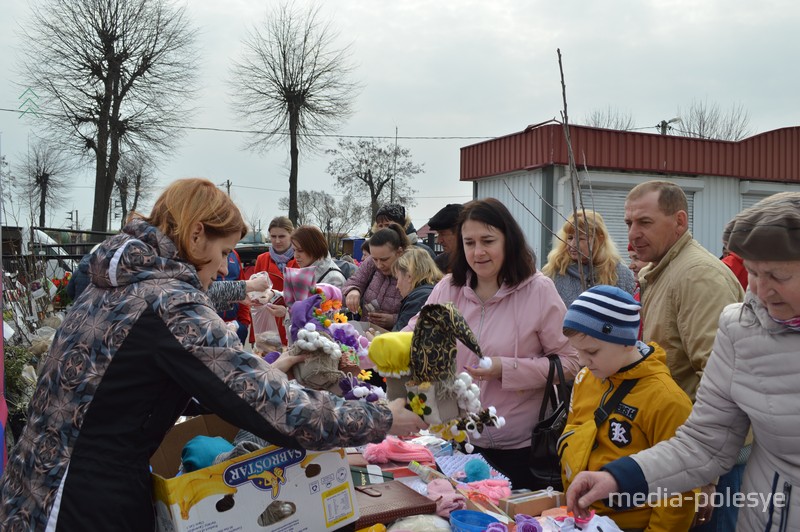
(769, 230)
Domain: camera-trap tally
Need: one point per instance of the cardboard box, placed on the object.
(271, 490)
(532, 503)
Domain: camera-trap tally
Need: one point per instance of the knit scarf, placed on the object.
(281, 258)
(791, 323)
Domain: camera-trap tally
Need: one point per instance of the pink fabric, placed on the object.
(520, 326)
(397, 450)
(494, 490)
(297, 284)
(446, 497)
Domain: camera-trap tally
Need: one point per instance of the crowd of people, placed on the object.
(697, 357)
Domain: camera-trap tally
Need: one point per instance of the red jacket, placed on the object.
(736, 264)
(264, 263)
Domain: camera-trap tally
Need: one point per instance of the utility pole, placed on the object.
(227, 184)
(663, 126)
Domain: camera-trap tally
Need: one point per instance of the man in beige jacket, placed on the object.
(683, 290)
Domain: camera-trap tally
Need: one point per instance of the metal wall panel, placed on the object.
(715, 204)
(610, 203)
(527, 199)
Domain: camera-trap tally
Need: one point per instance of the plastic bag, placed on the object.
(264, 322)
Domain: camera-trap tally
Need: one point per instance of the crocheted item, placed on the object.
(396, 450)
(492, 489)
(298, 283)
(446, 497)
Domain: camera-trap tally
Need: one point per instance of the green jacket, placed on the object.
(682, 299)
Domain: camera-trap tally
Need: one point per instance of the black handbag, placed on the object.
(544, 463)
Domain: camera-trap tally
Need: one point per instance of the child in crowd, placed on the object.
(602, 425)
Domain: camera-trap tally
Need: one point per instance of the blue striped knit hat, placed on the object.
(606, 313)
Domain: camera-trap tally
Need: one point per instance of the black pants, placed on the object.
(513, 463)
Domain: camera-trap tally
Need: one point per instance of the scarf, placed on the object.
(281, 258)
(791, 323)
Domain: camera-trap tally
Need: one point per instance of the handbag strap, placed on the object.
(550, 394)
(605, 410)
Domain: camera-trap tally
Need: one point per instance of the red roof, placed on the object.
(424, 231)
(770, 156)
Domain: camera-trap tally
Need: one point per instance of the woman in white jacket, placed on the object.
(750, 381)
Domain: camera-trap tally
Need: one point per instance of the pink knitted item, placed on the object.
(399, 451)
(494, 490)
(446, 497)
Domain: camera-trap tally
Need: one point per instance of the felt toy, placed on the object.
(391, 353)
(320, 370)
(449, 403)
(334, 347)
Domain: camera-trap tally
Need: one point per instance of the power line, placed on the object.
(234, 185)
(285, 133)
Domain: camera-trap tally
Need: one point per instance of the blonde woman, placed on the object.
(416, 273)
(597, 253)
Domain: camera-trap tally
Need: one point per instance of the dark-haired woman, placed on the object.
(517, 315)
(372, 290)
(311, 250)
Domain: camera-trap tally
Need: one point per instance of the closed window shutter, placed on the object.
(610, 203)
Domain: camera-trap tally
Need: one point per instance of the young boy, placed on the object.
(602, 325)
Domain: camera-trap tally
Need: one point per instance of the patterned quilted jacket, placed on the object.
(139, 343)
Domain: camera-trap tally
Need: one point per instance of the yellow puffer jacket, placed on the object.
(648, 414)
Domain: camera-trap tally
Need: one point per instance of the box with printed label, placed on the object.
(272, 490)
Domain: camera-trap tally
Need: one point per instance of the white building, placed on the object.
(529, 172)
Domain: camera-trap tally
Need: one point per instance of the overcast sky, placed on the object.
(469, 68)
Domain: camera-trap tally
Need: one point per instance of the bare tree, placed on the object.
(253, 219)
(134, 183)
(383, 170)
(114, 76)
(292, 83)
(708, 121)
(335, 218)
(43, 181)
(610, 118)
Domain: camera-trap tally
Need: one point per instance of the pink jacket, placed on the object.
(520, 325)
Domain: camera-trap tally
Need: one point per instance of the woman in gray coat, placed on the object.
(750, 381)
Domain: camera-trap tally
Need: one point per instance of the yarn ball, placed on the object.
(476, 470)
